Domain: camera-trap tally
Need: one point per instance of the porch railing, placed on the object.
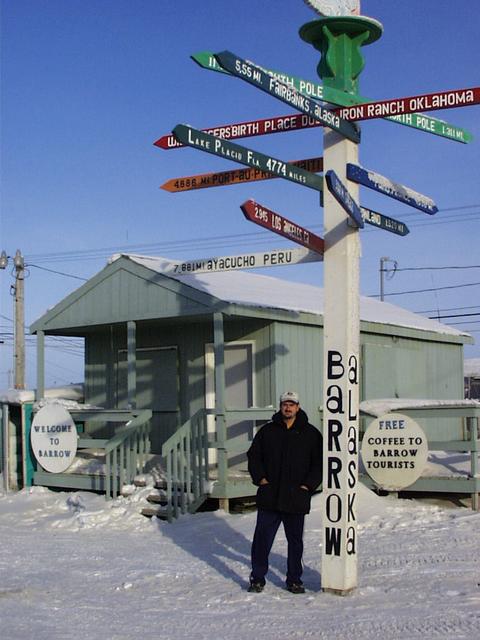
(125, 452)
(186, 458)
(187, 462)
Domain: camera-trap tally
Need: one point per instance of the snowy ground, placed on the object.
(75, 566)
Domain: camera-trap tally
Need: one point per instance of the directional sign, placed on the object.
(273, 258)
(274, 87)
(231, 151)
(392, 189)
(272, 221)
(402, 106)
(340, 193)
(277, 124)
(418, 121)
(237, 176)
(384, 222)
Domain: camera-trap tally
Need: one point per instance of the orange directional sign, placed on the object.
(237, 176)
(262, 127)
(272, 221)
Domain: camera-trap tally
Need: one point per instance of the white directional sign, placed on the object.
(392, 189)
(273, 258)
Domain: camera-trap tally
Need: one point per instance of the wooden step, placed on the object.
(157, 498)
(154, 511)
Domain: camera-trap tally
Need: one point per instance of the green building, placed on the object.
(226, 344)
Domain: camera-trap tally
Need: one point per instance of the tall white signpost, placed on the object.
(341, 37)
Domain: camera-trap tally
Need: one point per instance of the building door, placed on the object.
(239, 394)
(157, 389)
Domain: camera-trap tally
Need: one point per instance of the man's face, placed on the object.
(289, 409)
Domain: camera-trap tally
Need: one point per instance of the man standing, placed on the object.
(285, 462)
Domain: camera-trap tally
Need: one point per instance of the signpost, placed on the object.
(339, 38)
(272, 221)
(420, 121)
(273, 258)
(284, 92)
(236, 176)
(231, 151)
(340, 193)
(265, 126)
(392, 189)
(384, 222)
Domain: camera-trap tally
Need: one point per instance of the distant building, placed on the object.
(472, 378)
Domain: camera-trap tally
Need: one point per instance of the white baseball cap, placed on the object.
(289, 396)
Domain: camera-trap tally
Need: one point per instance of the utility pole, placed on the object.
(383, 260)
(18, 289)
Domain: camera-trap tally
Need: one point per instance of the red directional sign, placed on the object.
(412, 104)
(272, 221)
(247, 129)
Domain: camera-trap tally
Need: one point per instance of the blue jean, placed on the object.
(265, 532)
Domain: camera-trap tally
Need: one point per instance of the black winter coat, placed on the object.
(287, 458)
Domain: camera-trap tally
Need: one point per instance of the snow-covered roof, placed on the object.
(378, 407)
(256, 290)
(71, 392)
(471, 367)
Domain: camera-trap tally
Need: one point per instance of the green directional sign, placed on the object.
(284, 92)
(231, 151)
(384, 222)
(420, 121)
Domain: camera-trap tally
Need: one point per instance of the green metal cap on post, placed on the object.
(339, 38)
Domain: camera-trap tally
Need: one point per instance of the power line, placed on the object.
(60, 273)
(205, 243)
(453, 286)
(476, 306)
(473, 266)
(458, 315)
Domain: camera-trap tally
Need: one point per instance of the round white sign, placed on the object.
(335, 7)
(53, 437)
(394, 451)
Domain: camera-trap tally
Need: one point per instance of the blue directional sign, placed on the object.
(392, 189)
(340, 193)
(231, 151)
(384, 222)
(286, 93)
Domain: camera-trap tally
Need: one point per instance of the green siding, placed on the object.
(106, 378)
(288, 347)
(405, 368)
(299, 364)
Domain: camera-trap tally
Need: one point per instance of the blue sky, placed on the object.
(89, 85)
